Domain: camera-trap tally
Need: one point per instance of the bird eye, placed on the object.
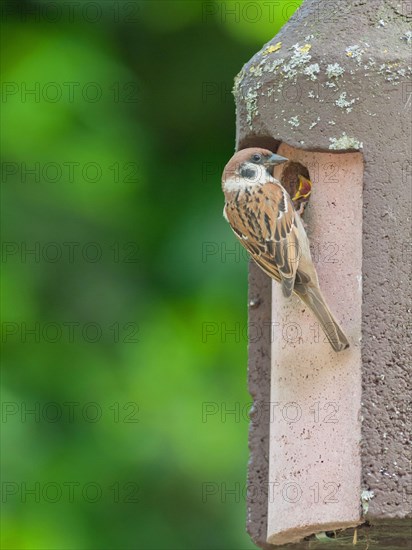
(257, 157)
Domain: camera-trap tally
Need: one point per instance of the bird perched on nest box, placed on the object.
(263, 217)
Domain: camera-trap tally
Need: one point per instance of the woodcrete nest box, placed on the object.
(329, 432)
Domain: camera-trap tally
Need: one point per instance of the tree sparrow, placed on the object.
(263, 218)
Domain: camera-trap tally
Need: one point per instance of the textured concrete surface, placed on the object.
(315, 432)
(260, 312)
(295, 94)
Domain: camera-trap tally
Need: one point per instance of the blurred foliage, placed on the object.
(117, 120)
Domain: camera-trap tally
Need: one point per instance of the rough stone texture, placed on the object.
(260, 311)
(283, 95)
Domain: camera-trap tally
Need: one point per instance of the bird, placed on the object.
(262, 216)
(301, 197)
(295, 179)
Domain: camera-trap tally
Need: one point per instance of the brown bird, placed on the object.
(263, 218)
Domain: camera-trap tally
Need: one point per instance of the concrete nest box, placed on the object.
(332, 92)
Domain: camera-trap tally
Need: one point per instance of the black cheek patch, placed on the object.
(248, 173)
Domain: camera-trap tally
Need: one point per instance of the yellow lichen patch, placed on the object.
(271, 49)
(305, 48)
(349, 54)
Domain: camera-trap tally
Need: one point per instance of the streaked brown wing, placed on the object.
(264, 222)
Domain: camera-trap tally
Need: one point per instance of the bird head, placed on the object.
(250, 167)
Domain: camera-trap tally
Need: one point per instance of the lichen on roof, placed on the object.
(315, 123)
(355, 52)
(392, 72)
(294, 121)
(237, 83)
(251, 106)
(312, 71)
(257, 71)
(334, 70)
(407, 37)
(286, 66)
(345, 142)
(272, 66)
(300, 57)
(272, 48)
(343, 103)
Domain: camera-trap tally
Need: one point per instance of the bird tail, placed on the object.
(314, 299)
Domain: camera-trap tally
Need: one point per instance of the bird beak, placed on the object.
(304, 189)
(276, 159)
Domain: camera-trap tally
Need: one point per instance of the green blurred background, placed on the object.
(119, 282)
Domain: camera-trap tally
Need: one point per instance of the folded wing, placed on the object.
(263, 219)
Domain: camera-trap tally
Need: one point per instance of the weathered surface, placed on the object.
(260, 310)
(340, 79)
(315, 432)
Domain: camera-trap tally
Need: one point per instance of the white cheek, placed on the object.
(233, 184)
(260, 177)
